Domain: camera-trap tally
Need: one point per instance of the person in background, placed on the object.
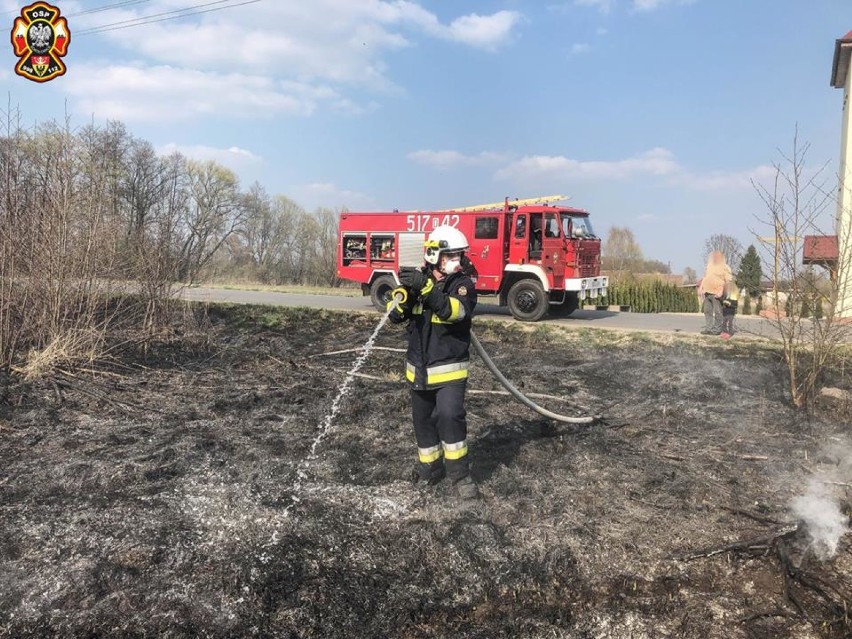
(717, 276)
(438, 307)
(729, 309)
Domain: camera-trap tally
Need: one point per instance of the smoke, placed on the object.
(821, 513)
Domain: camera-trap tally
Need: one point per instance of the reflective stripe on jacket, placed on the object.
(439, 319)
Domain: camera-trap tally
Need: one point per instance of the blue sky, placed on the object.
(651, 114)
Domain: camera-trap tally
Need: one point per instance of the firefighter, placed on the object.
(438, 308)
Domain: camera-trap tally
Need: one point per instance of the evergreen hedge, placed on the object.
(651, 296)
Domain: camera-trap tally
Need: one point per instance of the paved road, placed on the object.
(662, 322)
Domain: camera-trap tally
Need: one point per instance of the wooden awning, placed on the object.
(820, 250)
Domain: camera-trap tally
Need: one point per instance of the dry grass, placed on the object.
(70, 349)
(344, 291)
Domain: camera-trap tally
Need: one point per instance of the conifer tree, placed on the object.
(750, 273)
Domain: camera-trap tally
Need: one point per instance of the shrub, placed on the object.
(651, 296)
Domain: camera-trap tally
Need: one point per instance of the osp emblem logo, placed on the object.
(40, 38)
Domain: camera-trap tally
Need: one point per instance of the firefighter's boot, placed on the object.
(429, 474)
(466, 488)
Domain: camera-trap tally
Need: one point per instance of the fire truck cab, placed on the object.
(536, 257)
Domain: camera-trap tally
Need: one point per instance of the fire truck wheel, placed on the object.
(380, 292)
(527, 300)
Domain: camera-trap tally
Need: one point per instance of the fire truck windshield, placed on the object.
(575, 226)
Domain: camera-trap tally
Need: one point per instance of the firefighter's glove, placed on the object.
(467, 266)
(413, 280)
(433, 299)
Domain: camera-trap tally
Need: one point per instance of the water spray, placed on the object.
(400, 296)
(325, 427)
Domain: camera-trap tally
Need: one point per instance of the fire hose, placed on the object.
(400, 296)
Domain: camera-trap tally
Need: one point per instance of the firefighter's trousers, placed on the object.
(441, 431)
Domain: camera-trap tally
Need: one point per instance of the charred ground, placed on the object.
(159, 495)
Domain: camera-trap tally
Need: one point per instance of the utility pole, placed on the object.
(777, 240)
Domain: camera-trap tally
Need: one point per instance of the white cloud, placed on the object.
(604, 6)
(647, 217)
(725, 180)
(653, 5)
(286, 58)
(579, 48)
(329, 195)
(648, 5)
(245, 164)
(607, 6)
(234, 157)
(451, 159)
(306, 52)
(488, 32)
(657, 162)
(154, 94)
(484, 32)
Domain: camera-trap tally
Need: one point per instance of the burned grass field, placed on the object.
(173, 492)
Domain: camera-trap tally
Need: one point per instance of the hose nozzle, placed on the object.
(399, 296)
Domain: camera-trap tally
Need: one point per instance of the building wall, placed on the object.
(844, 204)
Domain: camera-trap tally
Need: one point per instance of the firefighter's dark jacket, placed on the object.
(438, 331)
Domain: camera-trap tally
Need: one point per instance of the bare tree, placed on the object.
(156, 192)
(325, 263)
(13, 297)
(61, 266)
(263, 233)
(215, 211)
(295, 237)
(307, 234)
(794, 203)
(141, 187)
(620, 252)
(729, 246)
(103, 153)
(83, 211)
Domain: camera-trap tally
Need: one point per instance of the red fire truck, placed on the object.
(534, 255)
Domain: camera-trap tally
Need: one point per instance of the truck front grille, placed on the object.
(588, 265)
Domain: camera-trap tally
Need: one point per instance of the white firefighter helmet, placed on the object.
(444, 238)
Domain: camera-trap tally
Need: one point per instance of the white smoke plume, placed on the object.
(821, 513)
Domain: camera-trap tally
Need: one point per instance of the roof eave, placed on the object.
(840, 65)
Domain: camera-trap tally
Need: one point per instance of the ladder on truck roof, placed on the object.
(499, 205)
